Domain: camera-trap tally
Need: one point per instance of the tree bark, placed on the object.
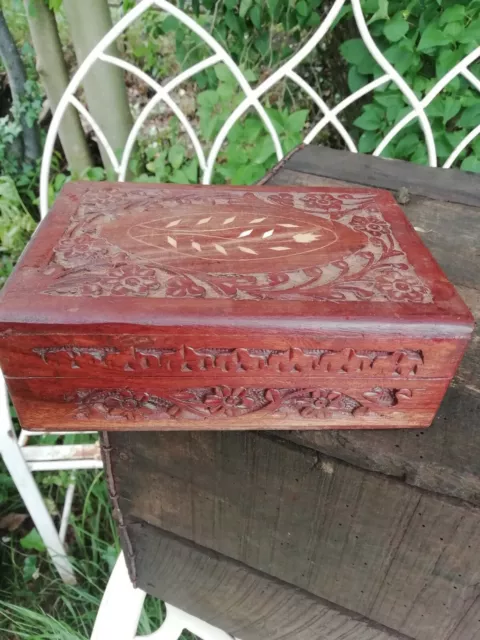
(105, 90)
(17, 78)
(53, 73)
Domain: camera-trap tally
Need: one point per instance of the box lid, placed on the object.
(284, 259)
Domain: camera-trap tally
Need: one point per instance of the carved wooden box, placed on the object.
(174, 307)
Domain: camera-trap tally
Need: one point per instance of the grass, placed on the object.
(34, 603)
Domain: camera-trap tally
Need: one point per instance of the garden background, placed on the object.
(41, 44)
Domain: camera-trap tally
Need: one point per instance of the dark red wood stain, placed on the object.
(180, 307)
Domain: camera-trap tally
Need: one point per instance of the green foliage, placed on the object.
(248, 151)
(16, 226)
(423, 41)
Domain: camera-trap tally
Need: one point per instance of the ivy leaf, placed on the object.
(447, 58)
(432, 37)
(296, 120)
(396, 28)
(176, 155)
(471, 163)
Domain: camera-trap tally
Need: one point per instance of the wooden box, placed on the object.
(193, 307)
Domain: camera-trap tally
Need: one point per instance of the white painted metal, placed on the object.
(252, 95)
(121, 607)
(28, 489)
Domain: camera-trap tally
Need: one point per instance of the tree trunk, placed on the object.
(89, 21)
(53, 73)
(17, 78)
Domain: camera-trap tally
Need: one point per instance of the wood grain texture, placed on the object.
(400, 556)
(232, 596)
(449, 185)
(129, 403)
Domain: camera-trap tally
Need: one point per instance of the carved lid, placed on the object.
(293, 258)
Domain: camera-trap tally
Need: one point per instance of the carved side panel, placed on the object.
(223, 402)
(186, 360)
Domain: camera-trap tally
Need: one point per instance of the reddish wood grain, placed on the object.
(126, 403)
(154, 306)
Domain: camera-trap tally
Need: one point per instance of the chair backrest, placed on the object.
(252, 95)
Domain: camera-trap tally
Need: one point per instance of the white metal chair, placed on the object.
(121, 608)
(21, 458)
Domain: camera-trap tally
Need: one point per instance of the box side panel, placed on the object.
(286, 403)
(217, 356)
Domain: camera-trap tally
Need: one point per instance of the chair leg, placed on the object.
(121, 607)
(29, 491)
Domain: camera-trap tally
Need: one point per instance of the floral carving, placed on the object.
(295, 224)
(230, 402)
(400, 287)
(370, 224)
(223, 402)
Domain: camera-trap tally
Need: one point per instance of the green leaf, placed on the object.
(179, 177)
(170, 24)
(256, 16)
(264, 150)
(471, 163)
(354, 51)
(248, 174)
(30, 568)
(396, 28)
(223, 72)
(432, 37)
(176, 155)
(191, 171)
(296, 121)
(447, 58)
(452, 14)
(472, 33)
(381, 13)
(370, 119)
(356, 80)
(232, 21)
(453, 30)
(262, 43)
(470, 117)
(451, 108)
(244, 7)
(302, 9)
(368, 141)
(407, 145)
(272, 7)
(32, 541)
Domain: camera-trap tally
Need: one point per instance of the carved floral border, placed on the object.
(223, 402)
